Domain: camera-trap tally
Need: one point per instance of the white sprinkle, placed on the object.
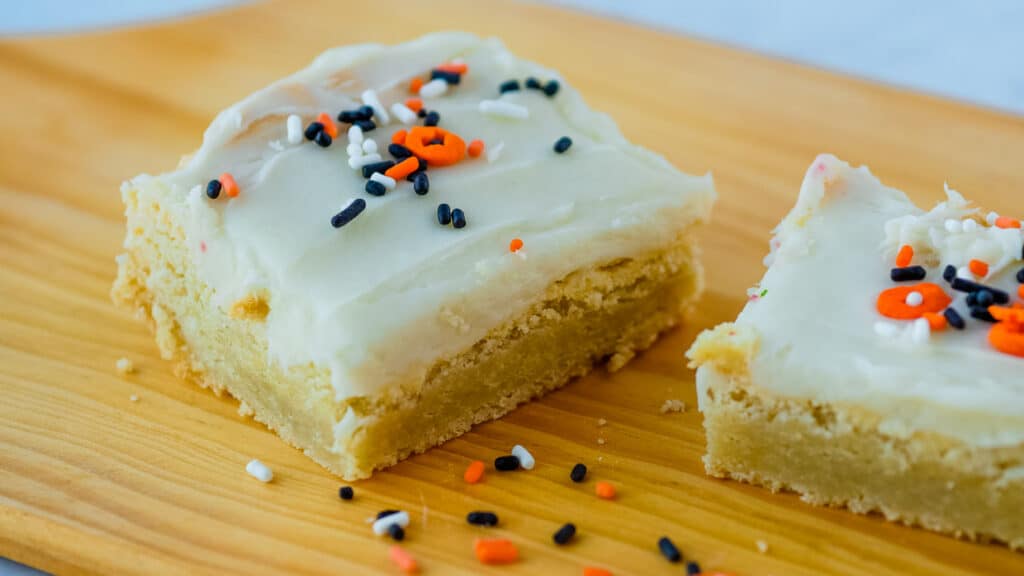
(124, 366)
(387, 181)
(504, 109)
(991, 218)
(970, 225)
(380, 115)
(525, 458)
(915, 298)
(369, 146)
(294, 129)
(404, 114)
(354, 149)
(673, 406)
(762, 546)
(355, 134)
(953, 226)
(381, 525)
(259, 471)
(133, 398)
(494, 152)
(965, 273)
(885, 329)
(434, 88)
(921, 331)
(357, 162)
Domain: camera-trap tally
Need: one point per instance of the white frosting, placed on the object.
(379, 300)
(822, 338)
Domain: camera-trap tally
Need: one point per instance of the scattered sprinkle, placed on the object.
(458, 218)
(434, 88)
(605, 490)
(124, 366)
(454, 67)
(414, 104)
(937, 322)
(562, 144)
(949, 273)
(954, 319)
(578, 473)
(594, 571)
(416, 85)
(970, 225)
(323, 139)
(382, 524)
(228, 184)
(433, 118)
(502, 109)
(908, 274)
(509, 86)
(213, 188)
(366, 125)
(452, 78)
(474, 472)
(357, 162)
(405, 562)
(403, 169)
(420, 183)
(564, 534)
(444, 214)
(991, 218)
(673, 406)
(892, 303)
(354, 208)
(525, 458)
(905, 256)
(324, 119)
(515, 245)
(978, 267)
(370, 99)
(382, 167)
(259, 471)
(1007, 222)
(294, 128)
(369, 146)
(312, 130)
(387, 181)
(506, 463)
(692, 569)
(482, 518)
(551, 88)
(384, 513)
(404, 114)
(533, 84)
(495, 551)
(669, 550)
(494, 152)
(476, 147)
(375, 188)
(355, 134)
(346, 493)
(396, 532)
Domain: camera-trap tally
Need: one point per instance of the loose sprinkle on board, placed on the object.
(382, 525)
(578, 473)
(592, 571)
(605, 490)
(506, 463)
(124, 366)
(495, 551)
(346, 493)
(405, 562)
(354, 208)
(259, 471)
(396, 532)
(669, 550)
(692, 569)
(482, 518)
(564, 534)
(474, 472)
(502, 109)
(525, 458)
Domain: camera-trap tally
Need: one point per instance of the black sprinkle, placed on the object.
(353, 116)
(564, 534)
(692, 569)
(669, 550)
(420, 183)
(346, 493)
(459, 221)
(981, 314)
(972, 299)
(551, 88)
(949, 273)
(451, 78)
(384, 513)
(533, 84)
(396, 532)
(313, 129)
(579, 472)
(444, 214)
(422, 113)
(381, 167)
(431, 119)
(1020, 276)
(355, 208)
(213, 190)
(375, 188)
(908, 274)
(503, 463)
(365, 112)
(366, 125)
(964, 285)
(323, 139)
(562, 144)
(954, 319)
(482, 518)
(509, 86)
(399, 151)
(984, 298)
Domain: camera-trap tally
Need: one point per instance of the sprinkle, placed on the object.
(387, 181)
(124, 366)
(259, 471)
(953, 226)
(444, 218)
(1020, 275)
(404, 114)
(396, 532)
(984, 298)
(978, 267)
(405, 562)
(384, 513)
(369, 146)
(504, 463)
(982, 314)
(692, 569)
(453, 67)
(422, 112)
(354, 149)
(525, 458)
(213, 189)
(354, 208)
(963, 285)
(402, 169)
(420, 183)
(324, 119)
(398, 151)
(673, 406)
(434, 88)
(399, 137)
(294, 127)
(762, 546)
(376, 188)
(449, 77)
(365, 125)
(905, 256)
(954, 319)
(346, 493)
(1020, 291)
(495, 551)
(533, 84)
(133, 398)
(494, 152)
(357, 162)
(351, 116)
(605, 490)
(381, 525)
(382, 167)
(892, 303)
(482, 518)
(458, 218)
(451, 151)
(416, 85)
(515, 245)
(509, 86)
(914, 298)
(564, 534)
(502, 109)
(551, 88)
(230, 187)
(323, 139)
(432, 118)
(593, 571)
(414, 104)
(476, 147)
(312, 130)
(474, 472)
(937, 322)
(1007, 336)
(355, 134)
(970, 225)
(579, 472)
(908, 274)
(669, 550)
(370, 99)
(949, 273)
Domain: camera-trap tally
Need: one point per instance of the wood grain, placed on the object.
(91, 482)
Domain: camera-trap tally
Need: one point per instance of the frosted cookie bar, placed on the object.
(879, 364)
(396, 243)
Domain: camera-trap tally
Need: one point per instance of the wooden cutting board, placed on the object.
(91, 482)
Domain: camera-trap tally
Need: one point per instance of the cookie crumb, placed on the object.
(762, 546)
(602, 422)
(133, 398)
(673, 406)
(125, 366)
(600, 441)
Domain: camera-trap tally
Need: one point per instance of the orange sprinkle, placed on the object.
(451, 68)
(936, 321)
(978, 268)
(414, 104)
(415, 85)
(451, 150)
(605, 490)
(329, 126)
(1007, 222)
(1020, 291)
(405, 562)
(398, 137)
(1010, 315)
(227, 182)
(402, 169)
(495, 551)
(515, 245)
(591, 571)
(474, 472)
(1007, 337)
(892, 303)
(905, 256)
(476, 147)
